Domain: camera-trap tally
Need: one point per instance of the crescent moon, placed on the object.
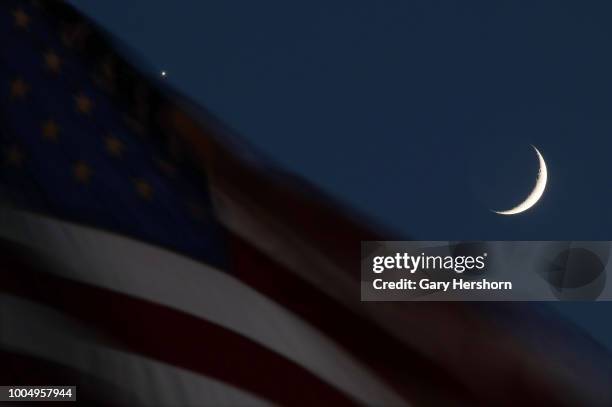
(537, 192)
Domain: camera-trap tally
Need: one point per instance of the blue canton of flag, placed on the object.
(68, 151)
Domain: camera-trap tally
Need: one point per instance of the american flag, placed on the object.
(150, 257)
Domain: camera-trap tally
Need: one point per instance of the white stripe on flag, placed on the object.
(32, 329)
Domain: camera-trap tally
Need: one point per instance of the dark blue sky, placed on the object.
(418, 113)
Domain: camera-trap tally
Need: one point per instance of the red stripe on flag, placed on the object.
(412, 375)
(294, 203)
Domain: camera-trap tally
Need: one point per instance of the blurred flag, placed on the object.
(151, 258)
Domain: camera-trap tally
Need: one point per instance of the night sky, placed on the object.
(418, 113)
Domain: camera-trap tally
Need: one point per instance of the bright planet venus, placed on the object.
(535, 194)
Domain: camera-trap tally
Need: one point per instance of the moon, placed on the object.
(537, 192)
